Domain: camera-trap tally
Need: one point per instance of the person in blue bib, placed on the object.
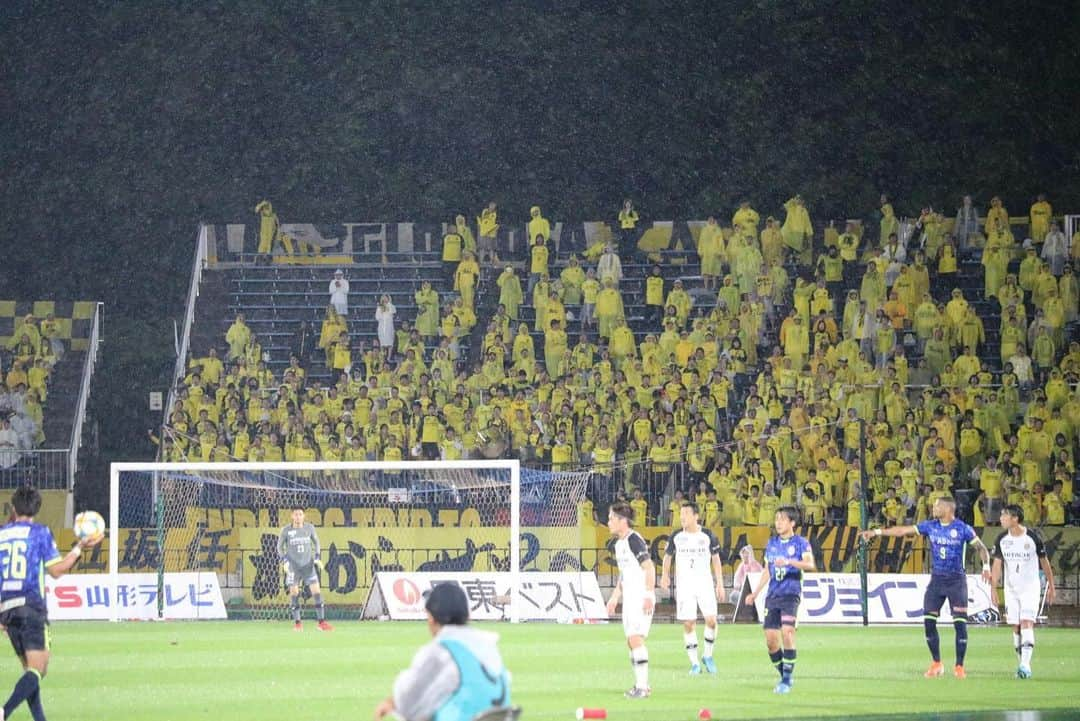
(948, 538)
(788, 556)
(455, 676)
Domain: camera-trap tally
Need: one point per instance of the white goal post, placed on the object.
(171, 497)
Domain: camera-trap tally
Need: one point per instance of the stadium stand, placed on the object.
(743, 364)
(42, 348)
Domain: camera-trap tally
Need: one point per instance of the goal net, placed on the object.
(210, 530)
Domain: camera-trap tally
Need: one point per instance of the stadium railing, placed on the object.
(189, 318)
(55, 468)
(45, 468)
(89, 365)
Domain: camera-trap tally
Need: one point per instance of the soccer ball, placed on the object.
(89, 524)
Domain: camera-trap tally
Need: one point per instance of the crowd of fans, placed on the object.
(796, 363)
(26, 363)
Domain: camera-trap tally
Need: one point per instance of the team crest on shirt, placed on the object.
(791, 550)
(952, 533)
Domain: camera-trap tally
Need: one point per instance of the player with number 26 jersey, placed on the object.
(26, 550)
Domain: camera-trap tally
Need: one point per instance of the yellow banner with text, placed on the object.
(241, 545)
(352, 556)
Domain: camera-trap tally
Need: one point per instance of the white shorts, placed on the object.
(692, 595)
(635, 621)
(1021, 605)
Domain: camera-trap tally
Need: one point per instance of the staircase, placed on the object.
(275, 299)
(970, 279)
(632, 289)
(63, 397)
(486, 302)
(49, 468)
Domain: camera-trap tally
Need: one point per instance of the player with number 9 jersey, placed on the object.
(948, 538)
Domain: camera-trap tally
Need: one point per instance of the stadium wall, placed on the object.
(244, 555)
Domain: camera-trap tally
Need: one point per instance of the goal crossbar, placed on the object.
(512, 466)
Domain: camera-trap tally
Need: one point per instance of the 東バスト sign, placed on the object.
(541, 596)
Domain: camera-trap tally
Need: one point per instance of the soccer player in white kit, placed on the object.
(636, 588)
(697, 557)
(1020, 552)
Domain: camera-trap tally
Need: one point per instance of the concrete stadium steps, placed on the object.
(59, 410)
(275, 299)
(970, 278)
(211, 306)
(632, 290)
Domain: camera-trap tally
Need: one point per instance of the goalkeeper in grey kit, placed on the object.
(298, 549)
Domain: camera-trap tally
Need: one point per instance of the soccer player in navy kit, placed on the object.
(949, 538)
(27, 553)
(787, 557)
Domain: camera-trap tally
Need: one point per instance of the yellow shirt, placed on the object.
(767, 509)
(712, 513)
(674, 508)
(539, 225)
(539, 256)
(1054, 510)
(590, 289)
(814, 511)
(562, 454)
(751, 508)
(990, 482)
(654, 290)
(585, 513)
(854, 512)
(450, 451)
(451, 252)
(431, 430)
(488, 222)
(603, 458)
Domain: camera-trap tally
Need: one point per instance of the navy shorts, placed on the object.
(940, 588)
(27, 628)
(781, 611)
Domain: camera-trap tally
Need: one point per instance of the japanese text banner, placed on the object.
(541, 596)
(89, 596)
(891, 598)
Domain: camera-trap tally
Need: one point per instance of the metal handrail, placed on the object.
(189, 318)
(84, 395)
(44, 468)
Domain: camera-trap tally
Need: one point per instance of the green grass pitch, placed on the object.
(265, 671)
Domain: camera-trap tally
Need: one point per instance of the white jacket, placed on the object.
(433, 676)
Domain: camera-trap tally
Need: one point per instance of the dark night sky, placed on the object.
(124, 124)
